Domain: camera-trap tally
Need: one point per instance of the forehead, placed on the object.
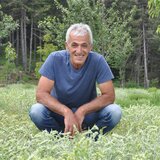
(77, 38)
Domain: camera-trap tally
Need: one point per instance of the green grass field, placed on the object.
(136, 137)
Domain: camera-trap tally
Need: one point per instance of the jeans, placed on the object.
(106, 118)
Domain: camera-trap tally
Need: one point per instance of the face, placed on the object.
(79, 48)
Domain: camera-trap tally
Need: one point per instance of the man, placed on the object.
(66, 92)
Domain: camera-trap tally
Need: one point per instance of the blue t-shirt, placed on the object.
(75, 87)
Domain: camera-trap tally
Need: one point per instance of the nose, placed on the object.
(79, 49)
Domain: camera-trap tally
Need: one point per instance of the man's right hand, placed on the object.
(71, 123)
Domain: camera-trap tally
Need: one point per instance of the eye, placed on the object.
(84, 45)
(74, 45)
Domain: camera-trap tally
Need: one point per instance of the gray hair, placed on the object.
(79, 29)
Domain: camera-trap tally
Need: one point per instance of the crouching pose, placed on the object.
(66, 93)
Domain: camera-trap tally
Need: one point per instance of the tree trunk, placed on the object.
(17, 46)
(146, 81)
(138, 67)
(31, 40)
(12, 39)
(23, 40)
(122, 77)
(102, 35)
(35, 47)
(40, 43)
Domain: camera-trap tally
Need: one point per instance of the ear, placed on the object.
(66, 45)
(91, 47)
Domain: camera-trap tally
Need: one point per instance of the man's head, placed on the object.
(79, 43)
(79, 29)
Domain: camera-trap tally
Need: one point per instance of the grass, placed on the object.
(129, 97)
(136, 137)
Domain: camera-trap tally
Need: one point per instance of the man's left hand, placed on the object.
(80, 117)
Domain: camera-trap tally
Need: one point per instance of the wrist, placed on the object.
(81, 111)
(66, 111)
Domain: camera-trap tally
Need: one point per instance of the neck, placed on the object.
(76, 66)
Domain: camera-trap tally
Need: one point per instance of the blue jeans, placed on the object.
(45, 119)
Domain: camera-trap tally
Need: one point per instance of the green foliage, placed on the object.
(10, 53)
(119, 45)
(154, 10)
(38, 66)
(7, 24)
(152, 89)
(9, 72)
(16, 98)
(10, 66)
(109, 29)
(130, 84)
(93, 13)
(53, 26)
(129, 97)
(135, 137)
(158, 29)
(44, 51)
(154, 82)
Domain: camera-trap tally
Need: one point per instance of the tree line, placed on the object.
(124, 32)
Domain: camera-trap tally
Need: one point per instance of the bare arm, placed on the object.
(107, 97)
(43, 96)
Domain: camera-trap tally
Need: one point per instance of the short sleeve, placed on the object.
(104, 72)
(47, 69)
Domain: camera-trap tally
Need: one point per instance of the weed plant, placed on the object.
(136, 137)
(128, 97)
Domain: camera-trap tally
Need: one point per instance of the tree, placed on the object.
(9, 67)
(44, 51)
(154, 10)
(138, 28)
(119, 45)
(34, 16)
(18, 9)
(109, 30)
(7, 24)
(121, 29)
(27, 13)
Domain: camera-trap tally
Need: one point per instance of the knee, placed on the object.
(114, 111)
(36, 112)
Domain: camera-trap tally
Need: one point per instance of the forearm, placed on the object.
(57, 107)
(52, 103)
(96, 104)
